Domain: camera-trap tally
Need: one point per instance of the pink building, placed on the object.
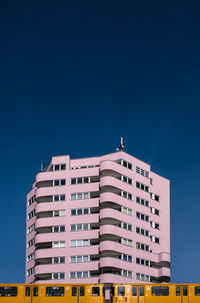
(98, 220)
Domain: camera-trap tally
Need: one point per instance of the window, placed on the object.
(74, 291)
(35, 291)
(95, 291)
(58, 275)
(126, 241)
(126, 164)
(55, 291)
(142, 217)
(126, 273)
(74, 243)
(142, 231)
(126, 195)
(126, 210)
(197, 291)
(58, 244)
(82, 291)
(155, 211)
(77, 259)
(80, 180)
(142, 172)
(78, 227)
(142, 201)
(27, 291)
(155, 225)
(79, 274)
(80, 196)
(59, 182)
(31, 214)
(120, 291)
(155, 239)
(143, 262)
(126, 226)
(178, 291)
(142, 277)
(142, 246)
(155, 197)
(127, 258)
(160, 291)
(30, 271)
(31, 228)
(59, 213)
(134, 291)
(30, 243)
(57, 198)
(58, 260)
(126, 179)
(80, 211)
(31, 201)
(30, 257)
(57, 167)
(58, 229)
(142, 186)
(185, 291)
(142, 289)
(8, 291)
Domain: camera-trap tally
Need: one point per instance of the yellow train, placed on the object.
(95, 293)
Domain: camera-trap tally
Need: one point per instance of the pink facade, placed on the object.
(98, 220)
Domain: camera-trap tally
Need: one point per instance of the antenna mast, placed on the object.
(121, 144)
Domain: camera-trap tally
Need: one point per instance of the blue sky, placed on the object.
(74, 77)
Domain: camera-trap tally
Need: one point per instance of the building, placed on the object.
(98, 220)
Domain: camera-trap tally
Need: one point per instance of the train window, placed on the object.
(8, 291)
(134, 291)
(141, 291)
(55, 291)
(121, 291)
(160, 291)
(178, 291)
(35, 291)
(103, 291)
(82, 291)
(74, 291)
(185, 291)
(197, 291)
(95, 291)
(27, 292)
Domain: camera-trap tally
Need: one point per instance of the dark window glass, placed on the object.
(79, 212)
(79, 180)
(160, 291)
(197, 291)
(129, 165)
(62, 182)
(56, 167)
(56, 230)
(125, 163)
(86, 180)
(55, 291)
(63, 166)
(62, 259)
(35, 291)
(73, 181)
(55, 260)
(62, 228)
(134, 291)
(56, 182)
(103, 291)
(82, 291)
(137, 230)
(129, 259)
(142, 186)
(141, 291)
(185, 291)
(56, 198)
(73, 212)
(74, 291)
(137, 260)
(137, 184)
(8, 291)
(120, 291)
(27, 291)
(137, 199)
(86, 211)
(178, 291)
(95, 291)
(157, 198)
(62, 197)
(146, 188)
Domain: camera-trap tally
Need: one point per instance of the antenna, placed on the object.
(121, 144)
(42, 166)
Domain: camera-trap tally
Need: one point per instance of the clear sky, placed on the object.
(74, 77)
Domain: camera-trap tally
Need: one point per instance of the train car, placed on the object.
(51, 293)
(156, 293)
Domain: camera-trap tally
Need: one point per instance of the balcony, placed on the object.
(111, 168)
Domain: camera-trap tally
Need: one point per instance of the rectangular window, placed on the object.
(95, 291)
(143, 262)
(134, 291)
(58, 276)
(126, 210)
(30, 257)
(126, 226)
(58, 260)
(142, 201)
(120, 291)
(80, 180)
(57, 198)
(185, 291)
(155, 225)
(79, 274)
(126, 180)
(78, 227)
(142, 172)
(142, 246)
(77, 259)
(58, 229)
(126, 241)
(142, 217)
(155, 197)
(126, 164)
(58, 244)
(59, 182)
(126, 195)
(8, 291)
(126, 273)
(162, 291)
(57, 167)
(80, 196)
(142, 291)
(55, 291)
(127, 258)
(142, 186)
(155, 211)
(79, 242)
(31, 201)
(197, 291)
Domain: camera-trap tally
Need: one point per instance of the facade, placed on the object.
(98, 220)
